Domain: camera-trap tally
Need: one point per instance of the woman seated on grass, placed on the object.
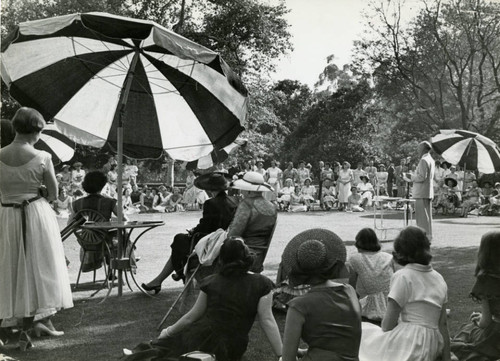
(285, 194)
(328, 193)
(354, 201)
(365, 189)
(414, 326)
(472, 198)
(370, 272)
(223, 314)
(175, 202)
(307, 193)
(328, 317)
(480, 338)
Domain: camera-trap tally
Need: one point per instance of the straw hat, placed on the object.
(251, 181)
(215, 181)
(314, 253)
(453, 180)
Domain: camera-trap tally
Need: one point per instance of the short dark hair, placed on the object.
(94, 181)
(367, 240)
(27, 121)
(412, 246)
(489, 254)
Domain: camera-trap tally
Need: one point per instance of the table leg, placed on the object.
(120, 255)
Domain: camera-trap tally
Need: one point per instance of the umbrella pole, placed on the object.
(119, 186)
(119, 150)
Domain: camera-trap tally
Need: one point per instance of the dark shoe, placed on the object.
(178, 276)
(147, 288)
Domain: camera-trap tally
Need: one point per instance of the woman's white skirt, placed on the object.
(406, 342)
(35, 278)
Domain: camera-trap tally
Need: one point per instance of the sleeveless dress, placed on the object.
(34, 278)
(421, 292)
(232, 305)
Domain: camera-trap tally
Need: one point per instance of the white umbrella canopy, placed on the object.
(128, 83)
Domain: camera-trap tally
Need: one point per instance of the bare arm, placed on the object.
(391, 315)
(193, 315)
(268, 323)
(293, 329)
(50, 181)
(443, 329)
(486, 317)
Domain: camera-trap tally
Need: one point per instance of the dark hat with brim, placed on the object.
(453, 180)
(364, 177)
(314, 254)
(215, 181)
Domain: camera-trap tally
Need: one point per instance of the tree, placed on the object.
(336, 128)
(291, 99)
(442, 69)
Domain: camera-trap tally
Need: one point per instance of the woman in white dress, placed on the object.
(370, 273)
(273, 177)
(62, 204)
(286, 194)
(33, 273)
(307, 193)
(381, 180)
(344, 185)
(417, 297)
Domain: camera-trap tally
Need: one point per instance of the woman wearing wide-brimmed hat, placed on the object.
(218, 211)
(328, 317)
(255, 217)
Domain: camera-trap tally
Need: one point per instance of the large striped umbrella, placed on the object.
(467, 149)
(130, 83)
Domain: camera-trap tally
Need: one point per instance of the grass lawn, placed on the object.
(100, 331)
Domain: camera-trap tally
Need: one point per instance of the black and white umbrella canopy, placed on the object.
(467, 149)
(60, 147)
(181, 97)
(51, 140)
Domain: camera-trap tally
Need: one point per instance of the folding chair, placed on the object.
(92, 240)
(199, 272)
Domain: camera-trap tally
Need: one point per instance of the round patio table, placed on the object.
(123, 262)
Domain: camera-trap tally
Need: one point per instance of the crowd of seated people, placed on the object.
(329, 186)
(370, 306)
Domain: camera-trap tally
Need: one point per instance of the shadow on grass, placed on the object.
(100, 331)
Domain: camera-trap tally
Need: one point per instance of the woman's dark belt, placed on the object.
(22, 207)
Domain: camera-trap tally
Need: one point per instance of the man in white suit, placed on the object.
(423, 190)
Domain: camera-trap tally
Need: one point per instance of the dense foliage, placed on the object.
(406, 81)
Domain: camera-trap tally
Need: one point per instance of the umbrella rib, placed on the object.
(91, 50)
(103, 43)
